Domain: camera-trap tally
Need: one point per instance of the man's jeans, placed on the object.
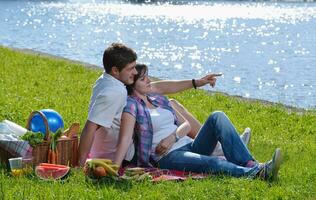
(195, 157)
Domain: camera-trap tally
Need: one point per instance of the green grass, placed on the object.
(33, 82)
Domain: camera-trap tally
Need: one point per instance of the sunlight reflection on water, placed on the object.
(265, 50)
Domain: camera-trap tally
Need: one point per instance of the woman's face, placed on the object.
(142, 85)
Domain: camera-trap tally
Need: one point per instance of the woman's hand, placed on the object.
(165, 144)
(208, 79)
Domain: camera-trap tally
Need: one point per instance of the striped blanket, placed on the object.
(159, 175)
(16, 148)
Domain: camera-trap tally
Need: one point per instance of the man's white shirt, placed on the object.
(106, 105)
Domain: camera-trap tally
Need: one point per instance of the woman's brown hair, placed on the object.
(142, 70)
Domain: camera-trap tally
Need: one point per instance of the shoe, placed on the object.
(270, 169)
(245, 137)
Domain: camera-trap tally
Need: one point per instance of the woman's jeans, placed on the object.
(195, 157)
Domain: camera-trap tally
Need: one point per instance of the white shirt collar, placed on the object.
(112, 78)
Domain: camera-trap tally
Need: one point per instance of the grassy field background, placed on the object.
(33, 82)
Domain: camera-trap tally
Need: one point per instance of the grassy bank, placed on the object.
(32, 82)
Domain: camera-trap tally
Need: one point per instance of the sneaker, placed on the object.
(245, 137)
(271, 168)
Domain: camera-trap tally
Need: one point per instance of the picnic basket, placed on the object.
(67, 147)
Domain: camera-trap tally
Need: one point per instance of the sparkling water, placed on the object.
(265, 50)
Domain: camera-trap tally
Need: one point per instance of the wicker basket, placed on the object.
(67, 148)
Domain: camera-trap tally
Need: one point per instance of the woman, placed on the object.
(160, 134)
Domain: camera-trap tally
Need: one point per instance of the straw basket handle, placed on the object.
(45, 123)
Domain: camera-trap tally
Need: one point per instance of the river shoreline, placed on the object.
(95, 67)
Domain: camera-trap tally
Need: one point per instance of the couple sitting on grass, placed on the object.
(147, 129)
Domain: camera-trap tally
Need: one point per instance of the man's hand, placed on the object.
(208, 79)
(165, 145)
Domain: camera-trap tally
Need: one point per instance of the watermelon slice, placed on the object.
(51, 172)
(53, 165)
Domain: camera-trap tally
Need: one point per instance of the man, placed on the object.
(109, 98)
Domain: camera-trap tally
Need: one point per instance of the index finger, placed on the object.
(216, 74)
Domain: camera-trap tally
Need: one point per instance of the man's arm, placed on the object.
(101, 115)
(125, 137)
(172, 86)
(86, 140)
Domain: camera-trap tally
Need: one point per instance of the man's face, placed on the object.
(127, 74)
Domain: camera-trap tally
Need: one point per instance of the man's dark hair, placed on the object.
(118, 55)
(142, 70)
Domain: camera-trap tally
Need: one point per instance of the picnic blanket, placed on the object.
(170, 175)
(10, 142)
(18, 148)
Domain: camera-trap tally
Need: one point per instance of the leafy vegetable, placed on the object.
(33, 138)
(54, 138)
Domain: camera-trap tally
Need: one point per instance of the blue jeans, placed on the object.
(195, 156)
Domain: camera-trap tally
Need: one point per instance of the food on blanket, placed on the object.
(88, 171)
(33, 138)
(145, 176)
(107, 161)
(51, 172)
(134, 170)
(20, 166)
(114, 167)
(54, 119)
(165, 177)
(99, 172)
(138, 177)
(17, 172)
(21, 172)
(136, 173)
(53, 165)
(98, 168)
(108, 168)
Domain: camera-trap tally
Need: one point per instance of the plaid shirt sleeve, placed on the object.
(17, 148)
(131, 106)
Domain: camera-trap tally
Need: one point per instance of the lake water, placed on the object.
(265, 50)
